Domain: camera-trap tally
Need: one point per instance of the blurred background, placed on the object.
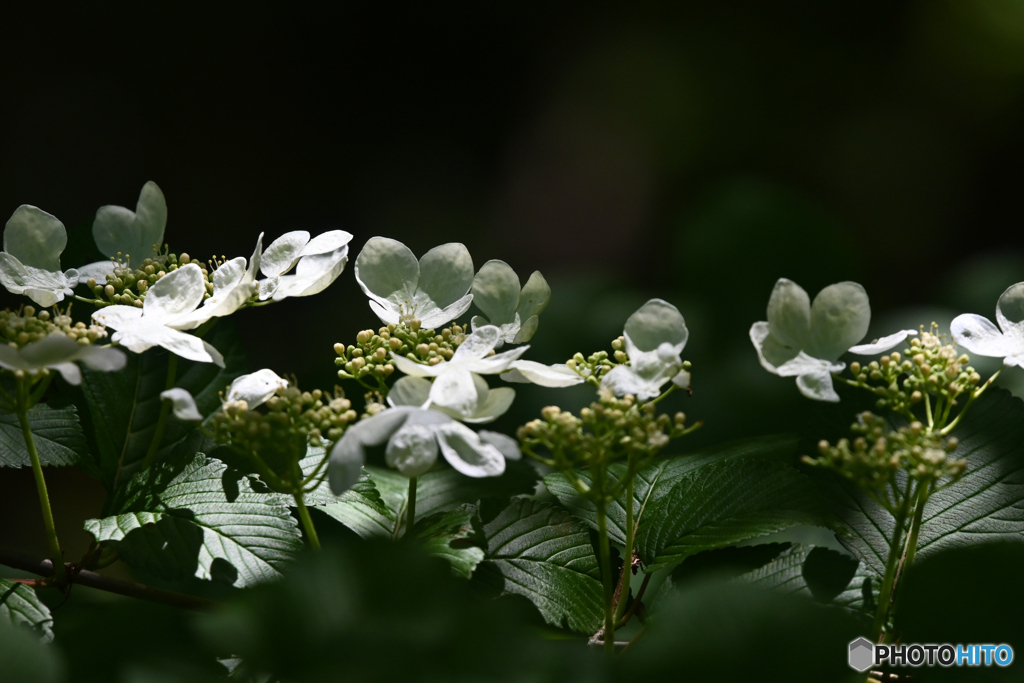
(690, 151)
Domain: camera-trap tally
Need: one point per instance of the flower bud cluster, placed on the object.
(929, 366)
(372, 350)
(593, 367)
(279, 431)
(128, 286)
(608, 430)
(874, 457)
(26, 325)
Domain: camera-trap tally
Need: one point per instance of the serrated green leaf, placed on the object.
(653, 482)
(187, 525)
(57, 435)
(450, 535)
(788, 573)
(19, 605)
(125, 406)
(986, 504)
(545, 555)
(723, 503)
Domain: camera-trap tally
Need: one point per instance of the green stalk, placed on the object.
(890, 566)
(307, 521)
(915, 528)
(606, 577)
(627, 565)
(165, 410)
(411, 506)
(44, 497)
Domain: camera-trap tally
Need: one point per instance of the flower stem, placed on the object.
(410, 508)
(165, 410)
(882, 612)
(627, 564)
(307, 521)
(606, 577)
(56, 556)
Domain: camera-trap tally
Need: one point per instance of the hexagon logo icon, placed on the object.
(862, 654)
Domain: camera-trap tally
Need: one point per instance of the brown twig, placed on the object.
(105, 583)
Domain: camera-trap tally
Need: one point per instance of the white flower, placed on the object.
(413, 437)
(135, 235)
(30, 261)
(978, 335)
(59, 353)
(317, 262)
(655, 336)
(182, 404)
(805, 340)
(554, 376)
(256, 388)
(514, 311)
(434, 289)
(454, 386)
(233, 285)
(489, 406)
(168, 303)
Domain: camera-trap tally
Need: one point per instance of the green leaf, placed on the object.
(186, 524)
(827, 575)
(723, 503)
(450, 535)
(125, 406)
(19, 605)
(545, 555)
(655, 481)
(987, 503)
(57, 435)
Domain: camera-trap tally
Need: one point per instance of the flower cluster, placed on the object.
(127, 285)
(289, 423)
(609, 430)
(371, 354)
(873, 459)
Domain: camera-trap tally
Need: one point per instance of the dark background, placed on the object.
(691, 151)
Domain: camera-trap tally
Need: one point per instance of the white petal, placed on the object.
(35, 238)
(313, 274)
(534, 298)
(50, 350)
(438, 317)
(655, 323)
(1010, 307)
(386, 311)
(97, 271)
(622, 380)
(10, 358)
(496, 291)
(495, 403)
(506, 445)
(682, 379)
(883, 344)
(789, 314)
(496, 364)
(182, 404)
(456, 390)
(478, 344)
(804, 364)
(446, 274)
(979, 335)
(256, 388)
(413, 368)
(554, 376)
(150, 221)
(412, 450)
(326, 242)
(105, 360)
(526, 330)
(70, 372)
(179, 343)
(376, 430)
(283, 252)
(840, 316)
(175, 294)
(117, 317)
(465, 452)
(385, 267)
(818, 386)
(132, 233)
(228, 275)
(43, 286)
(346, 464)
(410, 391)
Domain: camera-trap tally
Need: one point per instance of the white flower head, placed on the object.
(182, 404)
(489, 406)
(979, 335)
(514, 311)
(434, 289)
(454, 386)
(58, 352)
(132, 236)
(255, 388)
(169, 304)
(413, 437)
(655, 335)
(30, 261)
(554, 376)
(233, 285)
(317, 262)
(805, 340)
